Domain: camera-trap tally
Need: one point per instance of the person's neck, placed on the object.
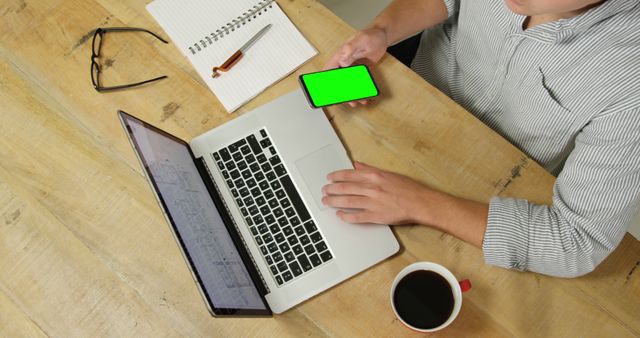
(536, 20)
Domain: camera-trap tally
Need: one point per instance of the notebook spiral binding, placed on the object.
(237, 23)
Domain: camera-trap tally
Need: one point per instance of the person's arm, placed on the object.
(595, 197)
(399, 20)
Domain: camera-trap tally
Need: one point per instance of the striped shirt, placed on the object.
(567, 93)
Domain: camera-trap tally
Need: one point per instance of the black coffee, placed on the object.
(423, 299)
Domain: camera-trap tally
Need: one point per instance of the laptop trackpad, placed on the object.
(315, 167)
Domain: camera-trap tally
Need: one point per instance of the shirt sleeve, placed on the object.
(595, 199)
(452, 7)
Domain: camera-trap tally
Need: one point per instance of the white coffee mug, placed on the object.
(457, 289)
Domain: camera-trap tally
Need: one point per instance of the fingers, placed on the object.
(359, 216)
(346, 175)
(343, 188)
(343, 57)
(346, 202)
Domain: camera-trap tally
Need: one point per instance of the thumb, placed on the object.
(347, 55)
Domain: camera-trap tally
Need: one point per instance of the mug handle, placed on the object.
(465, 285)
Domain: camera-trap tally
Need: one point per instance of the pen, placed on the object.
(238, 55)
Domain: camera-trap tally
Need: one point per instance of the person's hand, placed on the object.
(368, 45)
(374, 196)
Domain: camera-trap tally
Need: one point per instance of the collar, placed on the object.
(560, 30)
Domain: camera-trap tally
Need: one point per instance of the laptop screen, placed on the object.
(198, 225)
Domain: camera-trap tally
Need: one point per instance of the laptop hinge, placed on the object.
(232, 226)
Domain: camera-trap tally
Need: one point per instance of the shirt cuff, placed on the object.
(506, 240)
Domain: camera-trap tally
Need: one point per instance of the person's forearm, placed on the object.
(462, 218)
(403, 18)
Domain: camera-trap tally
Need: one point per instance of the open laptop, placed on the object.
(244, 204)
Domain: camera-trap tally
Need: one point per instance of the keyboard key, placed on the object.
(225, 174)
(299, 231)
(230, 165)
(287, 184)
(253, 143)
(251, 183)
(230, 183)
(294, 240)
(254, 167)
(289, 257)
(265, 209)
(260, 201)
(295, 269)
(271, 176)
(216, 156)
(284, 247)
(265, 167)
(321, 246)
(250, 158)
(283, 221)
(264, 185)
(267, 238)
(239, 183)
(245, 150)
(244, 211)
(254, 231)
(272, 202)
(234, 192)
(253, 210)
(248, 220)
(315, 260)
(272, 150)
(275, 185)
(259, 240)
(237, 157)
(304, 239)
(242, 165)
(262, 158)
(326, 256)
(224, 153)
(279, 280)
(309, 249)
(235, 174)
(263, 229)
(265, 143)
(255, 192)
(290, 212)
(277, 256)
(273, 248)
(279, 169)
(268, 259)
(269, 219)
(259, 176)
(248, 201)
(275, 160)
(282, 266)
(287, 230)
(244, 192)
(316, 237)
(239, 202)
(263, 133)
(274, 228)
(304, 262)
(268, 194)
(285, 203)
(294, 221)
(297, 249)
(234, 147)
(279, 238)
(247, 174)
(287, 276)
(274, 271)
(310, 226)
(278, 212)
(280, 194)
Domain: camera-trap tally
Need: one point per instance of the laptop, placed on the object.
(244, 203)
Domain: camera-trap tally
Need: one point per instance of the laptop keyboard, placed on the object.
(272, 208)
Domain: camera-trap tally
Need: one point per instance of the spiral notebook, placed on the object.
(208, 32)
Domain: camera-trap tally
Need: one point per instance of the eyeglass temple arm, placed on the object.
(125, 29)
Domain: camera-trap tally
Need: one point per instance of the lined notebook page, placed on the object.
(193, 26)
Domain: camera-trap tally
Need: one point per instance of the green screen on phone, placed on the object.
(339, 85)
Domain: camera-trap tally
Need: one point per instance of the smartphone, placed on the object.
(338, 85)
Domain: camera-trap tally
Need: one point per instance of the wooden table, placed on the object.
(85, 251)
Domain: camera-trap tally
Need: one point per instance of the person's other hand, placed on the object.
(368, 45)
(374, 195)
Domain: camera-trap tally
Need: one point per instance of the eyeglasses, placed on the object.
(95, 54)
